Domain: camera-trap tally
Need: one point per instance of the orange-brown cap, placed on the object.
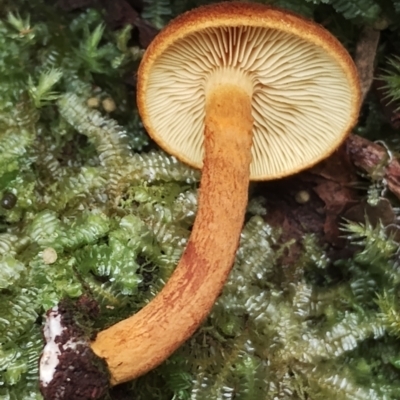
(304, 85)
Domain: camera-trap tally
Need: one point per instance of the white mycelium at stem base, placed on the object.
(53, 330)
(245, 92)
(49, 360)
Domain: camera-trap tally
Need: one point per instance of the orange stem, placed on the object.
(138, 344)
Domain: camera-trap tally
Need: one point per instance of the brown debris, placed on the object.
(338, 167)
(365, 57)
(336, 199)
(381, 213)
(375, 160)
(331, 186)
(336, 190)
(294, 219)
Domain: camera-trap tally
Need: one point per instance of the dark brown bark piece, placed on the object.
(375, 161)
(80, 374)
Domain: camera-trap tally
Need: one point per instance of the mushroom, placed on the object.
(243, 91)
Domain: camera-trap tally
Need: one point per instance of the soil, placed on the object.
(80, 374)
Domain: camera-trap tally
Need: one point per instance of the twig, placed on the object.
(368, 156)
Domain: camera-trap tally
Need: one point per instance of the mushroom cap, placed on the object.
(304, 85)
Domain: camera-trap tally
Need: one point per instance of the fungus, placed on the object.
(109, 105)
(243, 91)
(302, 197)
(49, 255)
(93, 102)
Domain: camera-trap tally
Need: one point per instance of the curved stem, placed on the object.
(136, 345)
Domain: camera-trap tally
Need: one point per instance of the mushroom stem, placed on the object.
(136, 345)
